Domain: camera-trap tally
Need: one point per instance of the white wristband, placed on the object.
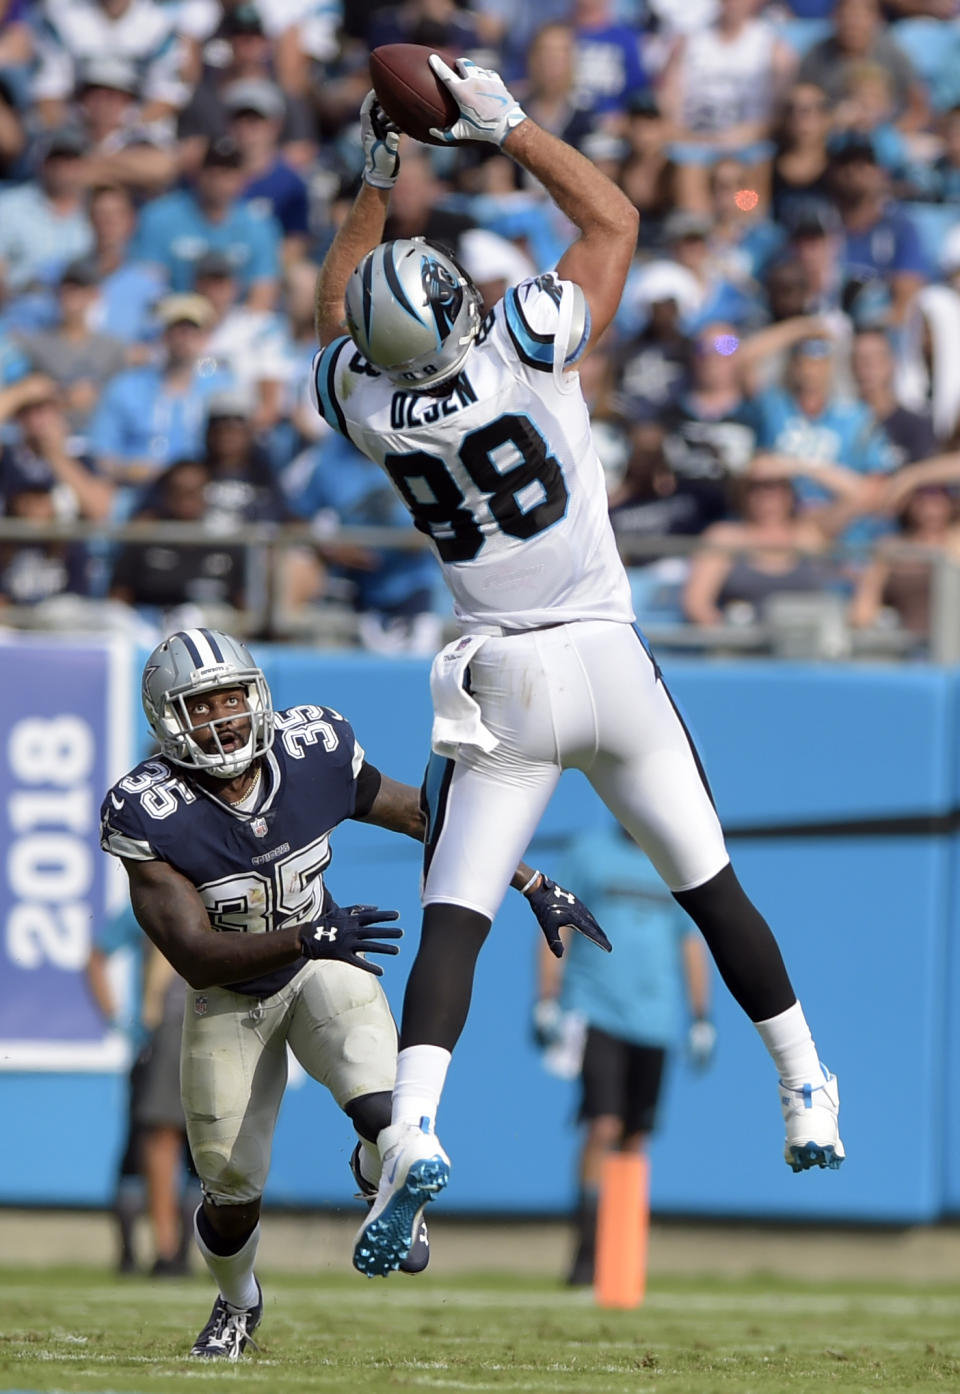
(529, 885)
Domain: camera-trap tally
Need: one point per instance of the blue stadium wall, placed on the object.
(836, 784)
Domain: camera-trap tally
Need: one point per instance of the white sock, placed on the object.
(233, 1273)
(370, 1162)
(421, 1072)
(788, 1039)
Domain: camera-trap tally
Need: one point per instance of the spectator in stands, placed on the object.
(45, 223)
(256, 111)
(550, 95)
(709, 442)
(242, 486)
(775, 547)
(13, 135)
(129, 290)
(436, 23)
(909, 434)
(162, 576)
(687, 237)
(806, 421)
(150, 416)
(75, 31)
(646, 176)
(609, 68)
(392, 590)
(650, 500)
(243, 46)
(16, 36)
(250, 345)
(801, 164)
(928, 520)
(123, 148)
(816, 240)
(859, 36)
(653, 365)
(743, 240)
(938, 181)
(417, 204)
(208, 27)
(78, 359)
(868, 111)
(34, 572)
(37, 456)
(879, 240)
(928, 376)
(719, 90)
(178, 229)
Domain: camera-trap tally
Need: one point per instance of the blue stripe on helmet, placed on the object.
(217, 651)
(190, 647)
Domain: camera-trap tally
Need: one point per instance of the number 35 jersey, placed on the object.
(501, 473)
(255, 871)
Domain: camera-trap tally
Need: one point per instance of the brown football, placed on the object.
(410, 92)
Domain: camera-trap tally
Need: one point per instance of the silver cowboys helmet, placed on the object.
(412, 312)
(201, 660)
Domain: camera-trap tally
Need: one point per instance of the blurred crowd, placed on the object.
(777, 406)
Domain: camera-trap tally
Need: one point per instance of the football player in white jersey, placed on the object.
(228, 830)
(484, 431)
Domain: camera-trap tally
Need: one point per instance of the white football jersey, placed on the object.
(501, 473)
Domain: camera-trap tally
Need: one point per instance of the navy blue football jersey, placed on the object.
(255, 871)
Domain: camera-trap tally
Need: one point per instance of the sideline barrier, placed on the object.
(837, 782)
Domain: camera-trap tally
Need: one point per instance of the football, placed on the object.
(410, 92)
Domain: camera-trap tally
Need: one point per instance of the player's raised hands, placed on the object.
(350, 931)
(488, 111)
(381, 144)
(557, 909)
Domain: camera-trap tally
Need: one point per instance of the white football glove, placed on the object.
(487, 110)
(381, 144)
(701, 1042)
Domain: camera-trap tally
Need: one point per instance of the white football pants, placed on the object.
(584, 696)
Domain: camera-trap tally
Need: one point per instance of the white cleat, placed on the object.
(415, 1169)
(811, 1117)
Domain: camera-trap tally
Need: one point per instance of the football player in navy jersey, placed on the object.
(228, 830)
(482, 426)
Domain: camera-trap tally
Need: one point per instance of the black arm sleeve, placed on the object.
(368, 787)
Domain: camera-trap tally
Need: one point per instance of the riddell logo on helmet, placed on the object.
(213, 670)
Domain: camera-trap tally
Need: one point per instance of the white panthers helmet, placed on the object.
(201, 660)
(412, 312)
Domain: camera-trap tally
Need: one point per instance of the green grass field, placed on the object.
(85, 1331)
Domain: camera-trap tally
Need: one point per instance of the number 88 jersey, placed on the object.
(501, 472)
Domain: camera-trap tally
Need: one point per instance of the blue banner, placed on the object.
(65, 723)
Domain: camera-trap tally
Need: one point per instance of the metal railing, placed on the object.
(811, 625)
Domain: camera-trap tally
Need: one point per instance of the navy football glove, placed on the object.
(348, 932)
(555, 908)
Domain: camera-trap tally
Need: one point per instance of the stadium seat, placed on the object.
(800, 34)
(933, 48)
(933, 221)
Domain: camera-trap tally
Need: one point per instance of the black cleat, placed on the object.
(418, 1255)
(229, 1331)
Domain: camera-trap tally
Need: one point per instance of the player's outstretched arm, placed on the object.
(362, 229)
(172, 915)
(599, 260)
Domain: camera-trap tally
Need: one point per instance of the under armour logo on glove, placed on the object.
(556, 909)
(349, 933)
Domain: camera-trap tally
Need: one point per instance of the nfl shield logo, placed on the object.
(200, 1006)
(259, 827)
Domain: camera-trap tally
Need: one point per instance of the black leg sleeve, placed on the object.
(742, 943)
(440, 985)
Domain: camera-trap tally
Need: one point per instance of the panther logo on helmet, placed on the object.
(444, 295)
